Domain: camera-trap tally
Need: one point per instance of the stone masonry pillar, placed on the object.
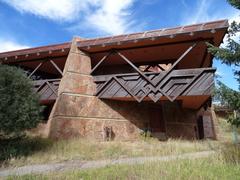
(76, 82)
(77, 112)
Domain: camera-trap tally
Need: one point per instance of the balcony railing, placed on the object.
(47, 89)
(185, 82)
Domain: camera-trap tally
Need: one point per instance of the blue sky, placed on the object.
(30, 23)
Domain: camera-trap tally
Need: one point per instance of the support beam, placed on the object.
(50, 86)
(181, 83)
(55, 65)
(155, 85)
(101, 61)
(134, 67)
(39, 65)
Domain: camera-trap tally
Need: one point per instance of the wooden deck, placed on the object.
(185, 82)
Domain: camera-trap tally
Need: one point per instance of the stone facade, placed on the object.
(77, 112)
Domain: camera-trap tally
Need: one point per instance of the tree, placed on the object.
(230, 55)
(230, 98)
(19, 107)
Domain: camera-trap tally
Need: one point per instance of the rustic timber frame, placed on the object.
(170, 84)
(46, 88)
(160, 81)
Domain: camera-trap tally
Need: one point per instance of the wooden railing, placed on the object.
(47, 89)
(185, 82)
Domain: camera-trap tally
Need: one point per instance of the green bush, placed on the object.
(19, 104)
(21, 147)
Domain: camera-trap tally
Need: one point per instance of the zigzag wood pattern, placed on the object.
(140, 85)
(47, 89)
(192, 82)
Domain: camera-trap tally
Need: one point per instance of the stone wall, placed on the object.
(180, 122)
(77, 112)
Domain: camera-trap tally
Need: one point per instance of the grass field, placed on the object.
(219, 166)
(223, 165)
(36, 150)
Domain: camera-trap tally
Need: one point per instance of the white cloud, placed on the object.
(205, 11)
(198, 14)
(57, 10)
(108, 16)
(10, 46)
(112, 17)
(234, 17)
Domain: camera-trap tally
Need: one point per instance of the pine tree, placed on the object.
(19, 105)
(230, 55)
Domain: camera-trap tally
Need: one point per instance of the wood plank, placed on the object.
(172, 86)
(56, 67)
(39, 65)
(101, 61)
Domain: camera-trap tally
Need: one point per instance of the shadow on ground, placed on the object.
(20, 147)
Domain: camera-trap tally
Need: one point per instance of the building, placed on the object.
(122, 86)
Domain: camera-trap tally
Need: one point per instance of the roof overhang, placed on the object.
(37, 53)
(211, 31)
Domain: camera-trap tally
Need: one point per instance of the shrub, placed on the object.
(21, 147)
(19, 105)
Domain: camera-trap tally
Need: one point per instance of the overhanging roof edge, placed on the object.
(106, 41)
(84, 43)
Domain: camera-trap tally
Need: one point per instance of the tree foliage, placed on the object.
(231, 99)
(19, 107)
(234, 3)
(230, 55)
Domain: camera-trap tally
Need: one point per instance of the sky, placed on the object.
(31, 23)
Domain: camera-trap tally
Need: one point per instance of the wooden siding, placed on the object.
(47, 89)
(172, 84)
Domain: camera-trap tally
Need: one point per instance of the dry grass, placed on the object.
(89, 150)
(223, 165)
(47, 151)
(226, 130)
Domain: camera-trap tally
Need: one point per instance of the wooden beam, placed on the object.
(100, 62)
(126, 89)
(134, 67)
(176, 63)
(50, 86)
(58, 58)
(154, 45)
(195, 82)
(204, 58)
(183, 55)
(153, 83)
(55, 65)
(161, 68)
(39, 65)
